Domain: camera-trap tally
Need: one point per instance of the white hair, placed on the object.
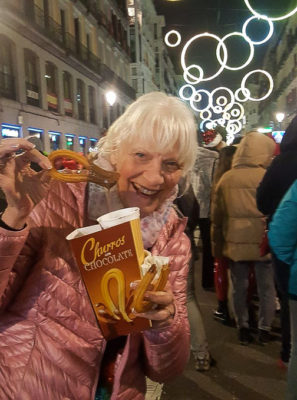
(158, 121)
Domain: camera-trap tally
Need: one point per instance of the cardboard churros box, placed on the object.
(109, 257)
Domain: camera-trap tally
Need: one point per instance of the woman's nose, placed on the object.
(154, 173)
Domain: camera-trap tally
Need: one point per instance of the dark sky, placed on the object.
(220, 17)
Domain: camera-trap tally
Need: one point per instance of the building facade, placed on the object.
(281, 61)
(58, 58)
(151, 67)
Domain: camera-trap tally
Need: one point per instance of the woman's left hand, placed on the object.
(163, 313)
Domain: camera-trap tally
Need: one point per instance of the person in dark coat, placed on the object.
(275, 183)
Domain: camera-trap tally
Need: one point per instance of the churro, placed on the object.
(90, 173)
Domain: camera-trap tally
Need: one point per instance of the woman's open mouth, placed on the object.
(144, 191)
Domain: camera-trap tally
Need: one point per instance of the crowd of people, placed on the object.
(242, 198)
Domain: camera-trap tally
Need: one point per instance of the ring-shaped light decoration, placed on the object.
(185, 48)
(233, 127)
(227, 116)
(208, 114)
(222, 101)
(232, 99)
(197, 93)
(245, 92)
(266, 17)
(253, 72)
(178, 38)
(266, 38)
(203, 124)
(210, 125)
(232, 113)
(247, 39)
(221, 121)
(235, 113)
(196, 97)
(181, 92)
(217, 109)
(195, 79)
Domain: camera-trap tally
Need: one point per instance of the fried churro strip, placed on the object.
(161, 282)
(93, 172)
(117, 274)
(138, 303)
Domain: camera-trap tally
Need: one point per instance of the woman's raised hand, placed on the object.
(18, 181)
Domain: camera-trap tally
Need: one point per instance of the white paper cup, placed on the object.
(118, 217)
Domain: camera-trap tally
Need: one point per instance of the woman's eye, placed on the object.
(140, 155)
(171, 165)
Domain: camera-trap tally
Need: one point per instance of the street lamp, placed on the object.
(280, 117)
(110, 97)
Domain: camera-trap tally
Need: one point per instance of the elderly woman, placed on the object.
(50, 344)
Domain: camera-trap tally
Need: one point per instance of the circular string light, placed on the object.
(197, 93)
(195, 79)
(253, 72)
(269, 18)
(222, 101)
(170, 33)
(181, 92)
(217, 109)
(247, 39)
(222, 88)
(267, 37)
(208, 114)
(245, 92)
(233, 113)
(189, 42)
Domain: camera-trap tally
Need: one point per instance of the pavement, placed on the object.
(241, 372)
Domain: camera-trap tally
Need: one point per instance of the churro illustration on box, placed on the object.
(109, 260)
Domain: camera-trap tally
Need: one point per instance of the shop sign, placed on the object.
(9, 130)
(32, 94)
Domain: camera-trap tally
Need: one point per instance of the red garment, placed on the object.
(50, 344)
(221, 278)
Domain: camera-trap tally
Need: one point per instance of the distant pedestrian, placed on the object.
(202, 179)
(221, 264)
(275, 183)
(238, 228)
(189, 207)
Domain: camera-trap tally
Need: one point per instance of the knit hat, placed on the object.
(211, 138)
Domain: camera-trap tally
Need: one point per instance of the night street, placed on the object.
(241, 372)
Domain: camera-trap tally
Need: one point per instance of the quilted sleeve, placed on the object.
(167, 349)
(11, 243)
(17, 250)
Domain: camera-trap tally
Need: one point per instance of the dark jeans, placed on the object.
(282, 273)
(207, 258)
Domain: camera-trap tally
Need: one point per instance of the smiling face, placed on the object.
(147, 178)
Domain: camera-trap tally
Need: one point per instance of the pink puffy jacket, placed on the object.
(50, 344)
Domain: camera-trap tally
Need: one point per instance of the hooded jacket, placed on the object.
(282, 235)
(281, 173)
(237, 225)
(201, 178)
(50, 344)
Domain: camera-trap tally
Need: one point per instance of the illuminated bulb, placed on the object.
(279, 116)
(110, 97)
